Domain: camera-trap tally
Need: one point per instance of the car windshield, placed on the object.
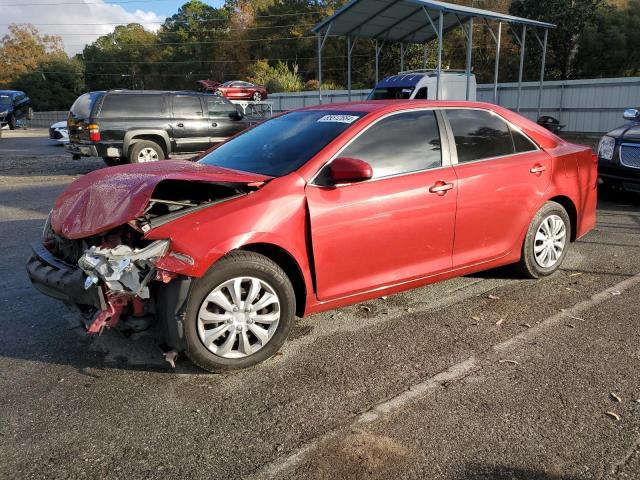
(281, 145)
(391, 93)
(5, 100)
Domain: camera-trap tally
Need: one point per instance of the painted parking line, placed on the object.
(453, 373)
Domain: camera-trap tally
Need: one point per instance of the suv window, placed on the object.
(421, 94)
(481, 134)
(187, 106)
(401, 143)
(218, 106)
(83, 105)
(133, 106)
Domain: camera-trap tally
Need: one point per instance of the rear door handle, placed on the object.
(214, 124)
(537, 168)
(440, 187)
(180, 125)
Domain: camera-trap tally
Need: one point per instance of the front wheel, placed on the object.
(257, 96)
(238, 314)
(546, 242)
(13, 122)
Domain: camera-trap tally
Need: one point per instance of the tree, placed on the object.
(23, 48)
(54, 85)
(608, 47)
(122, 59)
(572, 18)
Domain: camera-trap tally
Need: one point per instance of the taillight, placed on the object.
(94, 132)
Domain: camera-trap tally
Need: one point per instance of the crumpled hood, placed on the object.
(107, 198)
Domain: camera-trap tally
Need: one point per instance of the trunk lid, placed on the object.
(108, 198)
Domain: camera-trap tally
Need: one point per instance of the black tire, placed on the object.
(137, 147)
(256, 97)
(112, 161)
(13, 123)
(29, 115)
(236, 264)
(528, 264)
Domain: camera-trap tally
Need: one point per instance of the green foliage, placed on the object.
(56, 89)
(278, 78)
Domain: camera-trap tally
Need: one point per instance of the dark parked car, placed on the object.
(129, 126)
(619, 154)
(14, 106)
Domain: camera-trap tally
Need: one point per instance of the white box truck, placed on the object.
(421, 84)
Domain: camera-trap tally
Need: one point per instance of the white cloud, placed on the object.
(75, 37)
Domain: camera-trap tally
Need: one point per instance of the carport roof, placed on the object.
(406, 20)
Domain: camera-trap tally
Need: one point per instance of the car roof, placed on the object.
(10, 92)
(380, 107)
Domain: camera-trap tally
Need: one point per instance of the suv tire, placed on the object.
(13, 123)
(546, 242)
(270, 281)
(145, 151)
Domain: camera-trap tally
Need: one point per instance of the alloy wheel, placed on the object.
(238, 317)
(550, 241)
(147, 155)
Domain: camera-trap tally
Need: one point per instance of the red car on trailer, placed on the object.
(312, 210)
(239, 90)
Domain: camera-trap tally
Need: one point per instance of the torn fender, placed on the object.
(107, 198)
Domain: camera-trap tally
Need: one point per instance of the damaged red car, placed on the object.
(311, 210)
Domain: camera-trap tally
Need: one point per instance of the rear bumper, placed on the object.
(60, 280)
(81, 150)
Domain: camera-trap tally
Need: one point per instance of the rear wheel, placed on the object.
(145, 151)
(239, 314)
(546, 242)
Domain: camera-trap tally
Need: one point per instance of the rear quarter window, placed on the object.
(84, 104)
(134, 106)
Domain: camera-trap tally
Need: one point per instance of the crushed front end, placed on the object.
(96, 258)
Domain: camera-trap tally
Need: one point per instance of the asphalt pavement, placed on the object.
(488, 376)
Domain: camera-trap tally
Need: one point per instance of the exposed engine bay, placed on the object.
(121, 262)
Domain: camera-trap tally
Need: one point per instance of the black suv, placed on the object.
(141, 126)
(14, 106)
(619, 155)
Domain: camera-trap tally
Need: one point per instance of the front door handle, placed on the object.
(214, 124)
(537, 168)
(440, 187)
(180, 125)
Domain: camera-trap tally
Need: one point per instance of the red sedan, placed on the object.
(311, 210)
(238, 90)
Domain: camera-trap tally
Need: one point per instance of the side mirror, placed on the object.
(631, 114)
(237, 115)
(349, 170)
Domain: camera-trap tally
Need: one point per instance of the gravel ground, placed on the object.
(441, 382)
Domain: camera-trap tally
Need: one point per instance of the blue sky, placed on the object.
(81, 23)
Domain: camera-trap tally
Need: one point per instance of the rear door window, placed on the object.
(134, 106)
(480, 134)
(187, 106)
(401, 143)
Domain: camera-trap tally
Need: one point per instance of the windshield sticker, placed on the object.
(339, 118)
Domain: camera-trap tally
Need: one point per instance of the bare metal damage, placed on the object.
(122, 269)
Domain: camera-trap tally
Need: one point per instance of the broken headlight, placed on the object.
(123, 269)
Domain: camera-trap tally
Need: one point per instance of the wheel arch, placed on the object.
(289, 264)
(158, 136)
(571, 210)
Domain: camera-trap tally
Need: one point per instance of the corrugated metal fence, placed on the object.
(590, 106)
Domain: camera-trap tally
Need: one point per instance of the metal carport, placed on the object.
(419, 22)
